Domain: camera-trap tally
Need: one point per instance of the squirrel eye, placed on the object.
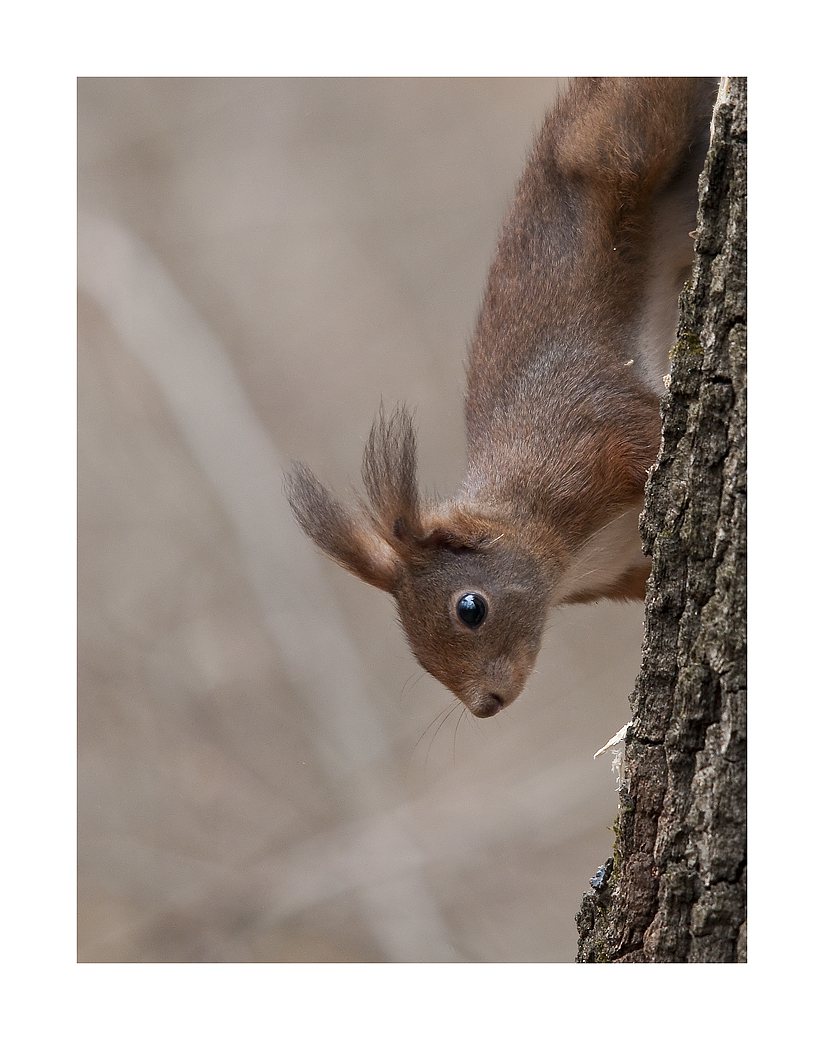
(471, 609)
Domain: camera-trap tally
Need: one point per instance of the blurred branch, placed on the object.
(204, 395)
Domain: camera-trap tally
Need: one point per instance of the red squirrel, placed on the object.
(564, 378)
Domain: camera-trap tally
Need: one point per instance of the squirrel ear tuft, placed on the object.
(389, 471)
(348, 537)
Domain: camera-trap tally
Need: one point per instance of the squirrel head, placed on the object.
(470, 592)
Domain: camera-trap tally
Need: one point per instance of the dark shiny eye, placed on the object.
(472, 609)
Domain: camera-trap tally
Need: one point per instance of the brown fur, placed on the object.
(562, 396)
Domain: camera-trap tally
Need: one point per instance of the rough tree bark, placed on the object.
(677, 891)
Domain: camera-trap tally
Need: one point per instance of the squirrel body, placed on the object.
(564, 377)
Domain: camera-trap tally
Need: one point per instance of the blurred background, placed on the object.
(265, 773)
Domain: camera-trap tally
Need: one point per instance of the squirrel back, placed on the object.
(564, 378)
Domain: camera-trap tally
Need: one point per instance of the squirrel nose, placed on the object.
(483, 704)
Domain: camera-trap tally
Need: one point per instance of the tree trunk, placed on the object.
(678, 888)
